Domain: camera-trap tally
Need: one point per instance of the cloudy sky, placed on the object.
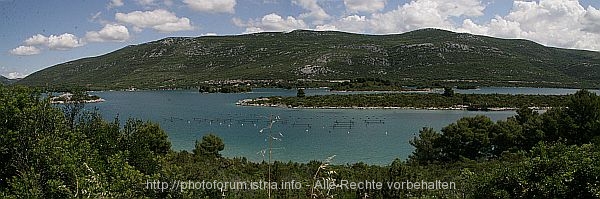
(35, 34)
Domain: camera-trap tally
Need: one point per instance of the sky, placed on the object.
(36, 34)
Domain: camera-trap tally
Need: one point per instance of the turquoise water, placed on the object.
(370, 136)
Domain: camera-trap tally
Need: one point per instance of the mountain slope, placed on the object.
(6, 81)
(421, 55)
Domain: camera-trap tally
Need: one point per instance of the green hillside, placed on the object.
(6, 81)
(427, 55)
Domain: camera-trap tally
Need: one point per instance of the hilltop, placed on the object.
(427, 55)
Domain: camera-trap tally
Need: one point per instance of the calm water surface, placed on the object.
(370, 136)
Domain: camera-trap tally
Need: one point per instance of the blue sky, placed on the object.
(37, 34)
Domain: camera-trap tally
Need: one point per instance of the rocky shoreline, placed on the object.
(248, 102)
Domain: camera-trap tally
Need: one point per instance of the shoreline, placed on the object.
(84, 101)
(244, 102)
(331, 89)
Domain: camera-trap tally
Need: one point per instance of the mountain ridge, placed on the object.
(426, 55)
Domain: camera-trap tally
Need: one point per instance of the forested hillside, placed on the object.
(427, 55)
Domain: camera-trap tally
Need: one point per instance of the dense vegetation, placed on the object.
(376, 84)
(368, 84)
(224, 89)
(46, 155)
(76, 97)
(422, 57)
(418, 100)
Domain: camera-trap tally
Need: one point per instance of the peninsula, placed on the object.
(430, 101)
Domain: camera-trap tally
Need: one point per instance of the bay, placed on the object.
(373, 136)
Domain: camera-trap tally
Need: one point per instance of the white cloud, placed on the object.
(315, 11)
(591, 20)
(15, 75)
(326, 27)
(472, 8)
(369, 6)
(272, 23)
(413, 15)
(560, 23)
(209, 34)
(65, 41)
(36, 40)
(11, 74)
(182, 24)
(115, 3)
(25, 51)
(238, 22)
(147, 18)
(212, 6)
(497, 26)
(159, 20)
(353, 23)
(110, 32)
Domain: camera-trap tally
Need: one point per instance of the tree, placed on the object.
(41, 154)
(144, 142)
(74, 105)
(469, 137)
(547, 171)
(583, 108)
(101, 134)
(426, 146)
(300, 93)
(531, 127)
(525, 114)
(209, 146)
(205, 89)
(507, 136)
(448, 92)
(578, 122)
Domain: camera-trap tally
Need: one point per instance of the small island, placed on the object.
(430, 101)
(75, 98)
